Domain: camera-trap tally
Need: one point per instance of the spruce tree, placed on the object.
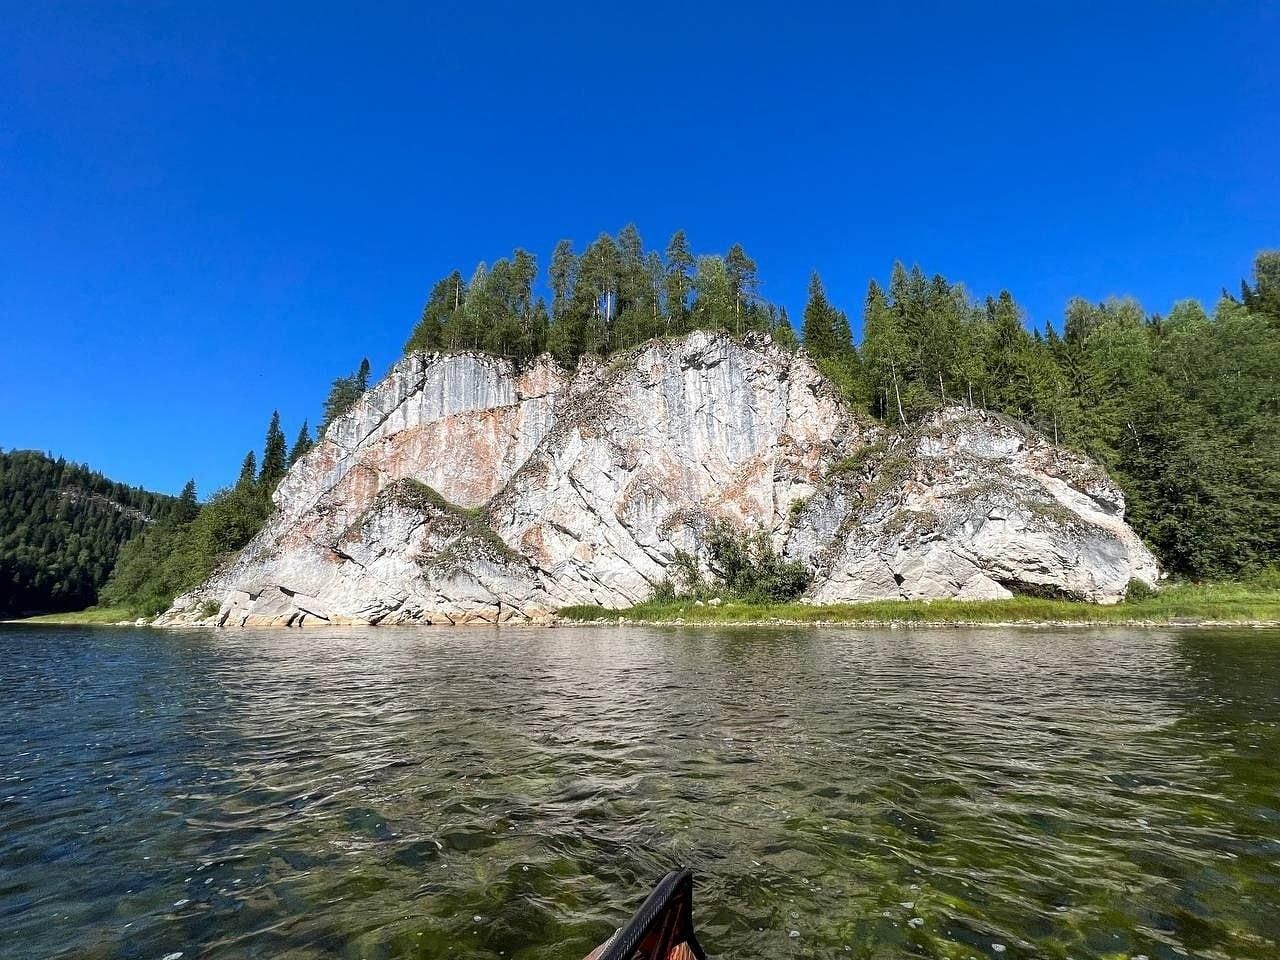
(474, 316)
(655, 277)
(185, 510)
(825, 337)
(595, 294)
(633, 314)
(274, 455)
(301, 445)
(524, 271)
(248, 472)
(713, 302)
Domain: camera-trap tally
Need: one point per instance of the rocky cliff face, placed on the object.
(461, 489)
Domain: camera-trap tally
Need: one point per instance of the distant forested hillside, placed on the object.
(61, 527)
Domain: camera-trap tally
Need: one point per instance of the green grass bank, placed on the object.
(1252, 601)
(93, 615)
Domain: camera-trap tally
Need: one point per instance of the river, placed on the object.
(512, 793)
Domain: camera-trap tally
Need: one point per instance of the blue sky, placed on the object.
(208, 211)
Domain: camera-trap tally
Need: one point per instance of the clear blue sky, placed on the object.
(209, 210)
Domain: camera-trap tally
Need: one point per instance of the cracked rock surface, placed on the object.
(463, 489)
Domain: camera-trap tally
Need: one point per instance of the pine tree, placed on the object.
(595, 294)
(782, 331)
(679, 281)
(743, 284)
(655, 276)
(473, 318)
(1007, 344)
(524, 271)
(437, 315)
(633, 314)
(562, 273)
(885, 351)
(499, 326)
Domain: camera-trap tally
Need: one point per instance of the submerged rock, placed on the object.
(463, 489)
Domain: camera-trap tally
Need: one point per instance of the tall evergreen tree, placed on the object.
(885, 351)
(302, 445)
(596, 293)
(712, 307)
(344, 393)
(437, 315)
(826, 330)
(633, 311)
(679, 281)
(274, 455)
(247, 480)
(563, 273)
(185, 510)
(743, 284)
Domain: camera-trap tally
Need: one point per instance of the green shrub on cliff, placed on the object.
(742, 566)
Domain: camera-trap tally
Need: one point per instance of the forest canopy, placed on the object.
(612, 295)
(61, 528)
(1183, 409)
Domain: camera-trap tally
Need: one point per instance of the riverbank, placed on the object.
(1253, 602)
(93, 616)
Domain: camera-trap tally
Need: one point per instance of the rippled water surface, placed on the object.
(477, 793)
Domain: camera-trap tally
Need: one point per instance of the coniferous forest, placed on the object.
(61, 528)
(1183, 409)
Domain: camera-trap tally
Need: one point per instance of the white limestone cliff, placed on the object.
(463, 489)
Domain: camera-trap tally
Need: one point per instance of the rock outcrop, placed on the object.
(971, 505)
(463, 489)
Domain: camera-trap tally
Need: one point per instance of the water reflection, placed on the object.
(371, 793)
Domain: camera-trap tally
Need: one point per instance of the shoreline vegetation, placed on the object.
(1252, 602)
(1180, 410)
(92, 616)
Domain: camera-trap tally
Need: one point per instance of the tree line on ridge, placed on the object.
(1183, 410)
